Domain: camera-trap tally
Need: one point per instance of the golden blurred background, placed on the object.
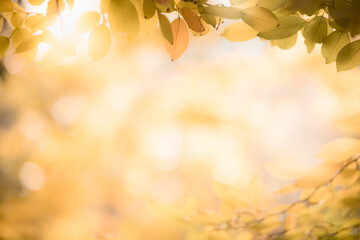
(128, 146)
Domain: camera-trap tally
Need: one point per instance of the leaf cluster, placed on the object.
(334, 24)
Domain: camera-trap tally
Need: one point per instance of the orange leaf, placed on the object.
(180, 39)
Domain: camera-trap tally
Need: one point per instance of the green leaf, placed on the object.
(4, 45)
(333, 44)
(272, 4)
(288, 26)
(224, 12)
(209, 19)
(123, 17)
(260, 19)
(285, 43)
(87, 21)
(149, 9)
(165, 27)
(315, 31)
(239, 31)
(348, 57)
(99, 42)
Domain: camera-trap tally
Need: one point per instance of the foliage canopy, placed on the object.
(335, 24)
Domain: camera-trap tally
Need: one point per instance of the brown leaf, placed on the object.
(192, 20)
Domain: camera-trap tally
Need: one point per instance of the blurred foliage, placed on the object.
(106, 150)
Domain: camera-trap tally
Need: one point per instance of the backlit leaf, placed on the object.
(239, 31)
(348, 57)
(28, 44)
(4, 45)
(339, 150)
(333, 44)
(39, 22)
(55, 7)
(87, 21)
(17, 20)
(260, 19)
(123, 17)
(224, 12)
(99, 42)
(315, 31)
(20, 35)
(288, 26)
(180, 39)
(165, 27)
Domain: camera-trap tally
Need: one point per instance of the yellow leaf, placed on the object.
(99, 42)
(239, 31)
(55, 7)
(28, 44)
(20, 35)
(339, 150)
(180, 39)
(318, 175)
(6, 6)
(39, 22)
(4, 45)
(351, 124)
(1, 22)
(192, 20)
(36, 2)
(17, 20)
(255, 191)
(260, 19)
(87, 21)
